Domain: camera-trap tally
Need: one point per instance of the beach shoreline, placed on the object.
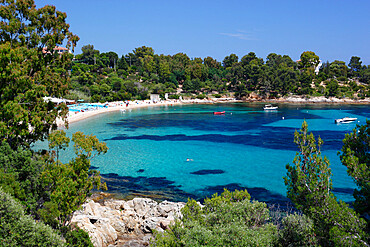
(118, 106)
(112, 107)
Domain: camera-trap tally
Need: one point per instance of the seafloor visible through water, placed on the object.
(183, 151)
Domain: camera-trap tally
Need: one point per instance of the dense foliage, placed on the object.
(225, 220)
(19, 229)
(28, 73)
(356, 157)
(37, 185)
(231, 219)
(70, 184)
(48, 189)
(309, 187)
(107, 77)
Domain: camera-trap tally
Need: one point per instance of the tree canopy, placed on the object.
(31, 69)
(147, 72)
(309, 187)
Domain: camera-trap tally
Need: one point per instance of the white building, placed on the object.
(317, 69)
(154, 97)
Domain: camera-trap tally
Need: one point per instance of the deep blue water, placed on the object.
(245, 148)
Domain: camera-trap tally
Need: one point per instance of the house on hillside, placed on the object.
(58, 49)
(58, 101)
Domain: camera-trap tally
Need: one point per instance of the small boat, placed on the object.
(270, 107)
(345, 120)
(218, 112)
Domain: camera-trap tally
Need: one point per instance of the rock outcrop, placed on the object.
(125, 223)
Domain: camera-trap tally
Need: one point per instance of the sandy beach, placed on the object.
(118, 106)
(114, 106)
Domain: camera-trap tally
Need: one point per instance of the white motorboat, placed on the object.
(270, 107)
(345, 120)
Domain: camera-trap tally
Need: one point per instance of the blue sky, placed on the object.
(333, 29)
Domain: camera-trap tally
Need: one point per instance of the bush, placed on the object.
(342, 78)
(173, 96)
(76, 237)
(201, 96)
(19, 175)
(18, 229)
(226, 220)
(297, 230)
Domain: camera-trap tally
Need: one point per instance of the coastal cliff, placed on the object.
(125, 223)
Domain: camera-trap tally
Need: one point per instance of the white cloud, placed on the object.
(240, 34)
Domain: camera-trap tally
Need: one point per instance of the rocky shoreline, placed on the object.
(125, 223)
(320, 99)
(301, 100)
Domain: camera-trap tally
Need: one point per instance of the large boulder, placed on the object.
(125, 222)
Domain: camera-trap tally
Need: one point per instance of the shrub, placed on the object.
(76, 237)
(226, 220)
(297, 230)
(173, 96)
(201, 96)
(18, 229)
(342, 78)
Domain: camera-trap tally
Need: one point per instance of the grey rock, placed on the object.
(125, 223)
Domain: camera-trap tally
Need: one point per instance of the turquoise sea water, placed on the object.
(245, 148)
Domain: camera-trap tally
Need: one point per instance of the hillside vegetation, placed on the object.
(104, 77)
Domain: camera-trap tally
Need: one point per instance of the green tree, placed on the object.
(248, 58)
(230, 60)
(212, 63)
(140, 53)
(164, 71)
(309, 187)
(355, 65)
(122, 63)
(28, 73)
(332, 88)
(19, 175)
(338, 69)
(89, 54)
(356, 157)
(59, 141)
(71, 183)
(110, 59)
(309, 59)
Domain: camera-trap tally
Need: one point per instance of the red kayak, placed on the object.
(218, 112)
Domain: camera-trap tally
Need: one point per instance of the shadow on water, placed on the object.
(206, 121)
(277, 138)
(344, 191)
(159, 188)
(206, 172)
(257, 193)
(156, 188)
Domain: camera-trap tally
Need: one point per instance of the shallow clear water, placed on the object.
(245, 148)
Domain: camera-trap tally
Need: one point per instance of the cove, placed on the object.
(161, 151)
